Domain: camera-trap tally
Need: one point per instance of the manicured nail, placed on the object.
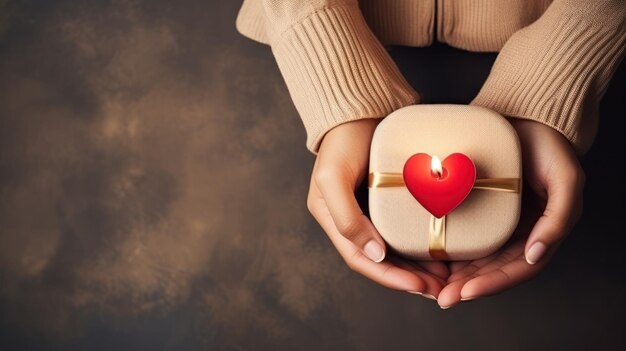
(374, 251)
(428, 296)
(535, 252)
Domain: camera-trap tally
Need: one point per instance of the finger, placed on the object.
(450, 295)
(436, 268)
(508, 253)
(383, 273)
(508, 270)
(491, 279)
(433, 283)
(457, 266)
(467, 270)
(562, 210)
(337, 185)
(471, 267)
(499, 279)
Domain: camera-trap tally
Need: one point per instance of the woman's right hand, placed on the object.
(341, 165)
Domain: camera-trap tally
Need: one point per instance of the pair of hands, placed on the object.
(551, 170)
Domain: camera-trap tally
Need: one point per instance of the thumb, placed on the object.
(563, 208)
(337, 189)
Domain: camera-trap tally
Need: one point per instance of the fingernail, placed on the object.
(374, 251)
(468, 298)
(535, 252)
(428, 296)
(446, 307)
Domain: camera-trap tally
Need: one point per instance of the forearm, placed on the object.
(336, 70)
(556, 70)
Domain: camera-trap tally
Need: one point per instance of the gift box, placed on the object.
(465, 207)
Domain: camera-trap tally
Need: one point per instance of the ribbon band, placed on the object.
(437, 226)
(393, 180)
(437, 238)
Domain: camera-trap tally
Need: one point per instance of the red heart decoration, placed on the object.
(439, 195)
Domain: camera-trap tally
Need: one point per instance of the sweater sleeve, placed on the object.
(556, 70)
(335, 69)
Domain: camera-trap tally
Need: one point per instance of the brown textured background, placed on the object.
(153, 180)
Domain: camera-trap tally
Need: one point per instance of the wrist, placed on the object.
(528, 129)
(356, 129)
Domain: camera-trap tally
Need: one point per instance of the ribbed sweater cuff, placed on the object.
(484, 25)
(250, 21)
(337, 71)
(401, 22)
(557, 70)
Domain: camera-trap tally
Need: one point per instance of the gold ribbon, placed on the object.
(393, 180)
(437, 226)
(437, 238)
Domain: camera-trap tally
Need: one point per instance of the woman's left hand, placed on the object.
(556, 179)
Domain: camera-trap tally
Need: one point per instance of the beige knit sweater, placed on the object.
(555, 62)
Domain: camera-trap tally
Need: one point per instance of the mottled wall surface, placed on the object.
(153, 181)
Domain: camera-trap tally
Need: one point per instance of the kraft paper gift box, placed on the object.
(484, 220)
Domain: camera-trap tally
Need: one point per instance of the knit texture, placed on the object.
(557, 70)
(336, 71)
(484, 25)
(556, 58)
(251, 21)
(407, 22)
